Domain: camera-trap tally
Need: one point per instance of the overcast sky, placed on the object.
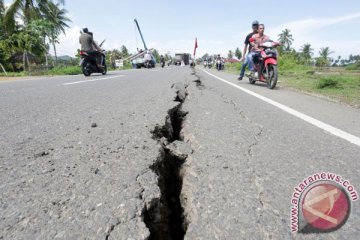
(219, 26)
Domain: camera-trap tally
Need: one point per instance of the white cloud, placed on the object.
(307, 31)
(69, 43)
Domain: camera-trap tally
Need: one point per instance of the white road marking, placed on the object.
(92, 80)
(326, 127)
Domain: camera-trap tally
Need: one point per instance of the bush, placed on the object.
(351, 67)
(287, 61)
(70, 70)
(233, 67)
(328, 82)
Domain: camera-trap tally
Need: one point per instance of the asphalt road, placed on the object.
(167, 153)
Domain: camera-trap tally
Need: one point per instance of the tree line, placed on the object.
(305, 54)
(29, 28)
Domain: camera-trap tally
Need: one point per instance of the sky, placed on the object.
(219, 26)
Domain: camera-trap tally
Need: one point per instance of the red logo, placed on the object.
(325, 207)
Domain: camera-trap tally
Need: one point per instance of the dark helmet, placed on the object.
(85, 30)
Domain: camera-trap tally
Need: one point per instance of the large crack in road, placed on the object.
(165, 217)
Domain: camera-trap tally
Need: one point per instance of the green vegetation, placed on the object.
(29, 28)
(69, 70)
(334, 82)
(338, 83)
(337, 79)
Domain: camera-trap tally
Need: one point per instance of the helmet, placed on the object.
(85, 30)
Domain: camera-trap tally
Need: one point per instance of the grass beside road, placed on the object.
(55, 71)
(335, 83)
(343, 86)
(61, 70)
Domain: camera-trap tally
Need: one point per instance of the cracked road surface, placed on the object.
(169, 153)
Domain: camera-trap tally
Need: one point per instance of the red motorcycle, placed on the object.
(266, 65)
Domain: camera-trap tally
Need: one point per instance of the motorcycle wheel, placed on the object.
(86, 69)
(105, 70)
(251, 80)
(272, 76)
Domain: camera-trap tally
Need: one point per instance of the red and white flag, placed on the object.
(196, 45)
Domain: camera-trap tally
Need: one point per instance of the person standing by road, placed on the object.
(247, 46)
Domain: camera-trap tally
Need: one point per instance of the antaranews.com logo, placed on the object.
(321, 203)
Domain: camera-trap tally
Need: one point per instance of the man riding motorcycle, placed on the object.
(90, 46)
(162, 61)
(148, 59)
(256, 40)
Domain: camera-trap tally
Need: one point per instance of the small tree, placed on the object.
(238, 53)
(324, 59)
(286, 39)
(156, 55)
(321, 62)
(230, 54)
(124, 52)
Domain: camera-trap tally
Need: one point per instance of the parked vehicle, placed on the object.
(266, 66)
(138, 60)
(182, 57)
(88, 64)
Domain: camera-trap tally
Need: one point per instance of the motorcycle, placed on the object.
(149, 64)
(205, 63)
(209, 64)
(219, 64)
(88, 64)
(266, 65)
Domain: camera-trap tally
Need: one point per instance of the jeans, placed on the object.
(243, 67)
(251, 57)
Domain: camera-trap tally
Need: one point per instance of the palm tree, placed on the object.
(307, 51)
(323, 60)
(27, 9)
(286, 39)
(56, 16)
(2, 11)
(325, 52)
(30, 11)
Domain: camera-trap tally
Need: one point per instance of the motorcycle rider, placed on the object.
(87, 44)
(219, 62)
(256, 40)
(247, 45)
(147, 58)
(162, 61)
(97, 51)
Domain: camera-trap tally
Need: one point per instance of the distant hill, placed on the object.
(63, 58)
